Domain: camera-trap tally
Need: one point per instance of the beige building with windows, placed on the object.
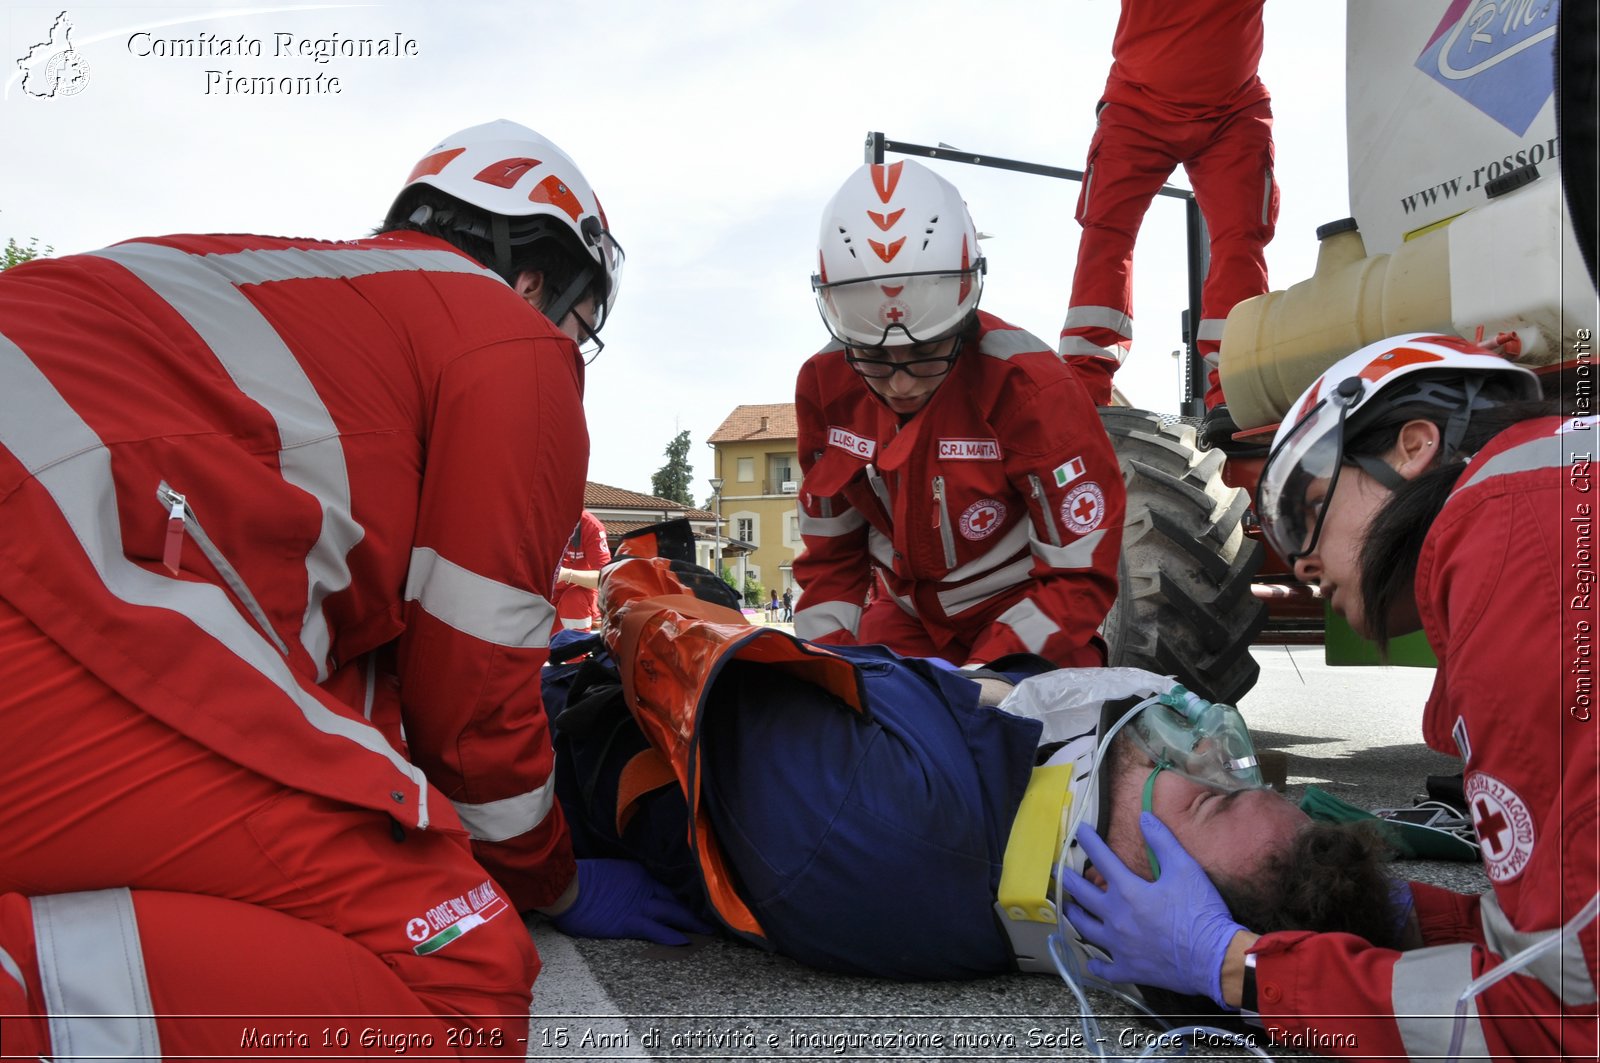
(758, 463)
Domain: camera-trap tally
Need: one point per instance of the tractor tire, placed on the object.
(1184, 606)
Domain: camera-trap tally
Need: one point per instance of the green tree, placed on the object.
(672, 479)
(15, 254)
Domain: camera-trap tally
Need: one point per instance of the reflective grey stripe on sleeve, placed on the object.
(69, 461)
(477, 605)
(831, 527)
(815, 621)
(1005, 578)
(287, 264)
(91, 968)
(1004, 342)
(1564, 972)
(1074, 555)
(1105, 317)
(1210, 328)
(371, 692)
(498, 821)
(906, 605)
(1543, 453)
(1425, 986)
(880, 548)
(9, 966)
(1077, 346)
(203, 289)
(1028, 622)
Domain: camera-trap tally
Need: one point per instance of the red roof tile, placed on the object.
(603, 496)
(774, 421)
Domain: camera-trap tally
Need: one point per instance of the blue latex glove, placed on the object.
(619, 899)
(1172, 933)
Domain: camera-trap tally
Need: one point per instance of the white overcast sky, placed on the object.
(713, 130)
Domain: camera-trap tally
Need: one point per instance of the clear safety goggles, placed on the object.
(612, 258)
(906, 308)
(1288, 501)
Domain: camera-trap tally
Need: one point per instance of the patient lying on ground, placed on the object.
(857, 811)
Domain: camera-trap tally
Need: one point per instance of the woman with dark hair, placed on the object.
(1422, 482)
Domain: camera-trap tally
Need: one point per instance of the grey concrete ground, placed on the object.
(1352, 731)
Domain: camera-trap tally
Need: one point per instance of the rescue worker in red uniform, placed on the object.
(243, 480)
(1421, 482)
(955, 473)
(577, 600)
(1183, 90)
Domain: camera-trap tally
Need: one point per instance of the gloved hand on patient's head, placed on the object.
(619, 899)
(1173, 933)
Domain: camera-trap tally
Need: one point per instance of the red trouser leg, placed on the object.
(106, 796)
(1129, 161)
(1232, 175)
(219, 979)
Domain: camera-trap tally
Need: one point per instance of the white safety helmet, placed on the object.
(529, 190)
(1309, 447)
(897, 258)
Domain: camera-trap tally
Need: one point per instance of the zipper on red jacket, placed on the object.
(1043, 501)
(180, 518)
(941, 521)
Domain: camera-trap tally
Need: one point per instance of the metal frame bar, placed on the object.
(1196, 237)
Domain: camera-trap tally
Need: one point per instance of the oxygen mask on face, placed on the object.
(1200, 740)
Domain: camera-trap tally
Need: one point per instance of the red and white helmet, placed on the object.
(897, 254)
(530, 190)
(1444, 371)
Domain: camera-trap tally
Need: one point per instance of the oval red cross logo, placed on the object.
(1084, 508)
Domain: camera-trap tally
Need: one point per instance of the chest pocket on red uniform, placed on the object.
(832, 472)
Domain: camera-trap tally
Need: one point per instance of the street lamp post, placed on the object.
(716, 543)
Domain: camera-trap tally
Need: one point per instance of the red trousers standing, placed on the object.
(103, 796)
(1229, 160)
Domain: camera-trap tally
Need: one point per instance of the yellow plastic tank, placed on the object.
(1275, 345)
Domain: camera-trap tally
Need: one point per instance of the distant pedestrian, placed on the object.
(773, 608)
(788, 604)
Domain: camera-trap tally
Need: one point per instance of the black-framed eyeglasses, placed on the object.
(916, 368)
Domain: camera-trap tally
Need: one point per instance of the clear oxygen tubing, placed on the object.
(1511, 966)
(1170, 1045)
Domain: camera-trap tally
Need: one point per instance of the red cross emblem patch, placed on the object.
(1503, 824)
(1083, 509)
(980, 519)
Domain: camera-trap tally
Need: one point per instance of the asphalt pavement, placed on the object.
(1354, 732)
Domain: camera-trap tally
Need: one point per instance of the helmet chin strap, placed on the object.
(1455, 429)
(562, 304)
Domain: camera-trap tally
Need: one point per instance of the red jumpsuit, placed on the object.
(992, 518)
(1505, 588)
(378, 448)
(1183, 91)
(577, 608)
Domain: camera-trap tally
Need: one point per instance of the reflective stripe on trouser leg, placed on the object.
(91, 967)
